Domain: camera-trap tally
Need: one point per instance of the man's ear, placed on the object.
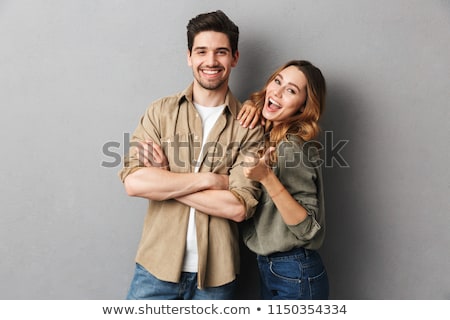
(235, 59)
(188, 57)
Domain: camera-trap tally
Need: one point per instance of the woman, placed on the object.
(289, 225)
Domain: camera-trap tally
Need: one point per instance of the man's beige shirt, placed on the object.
(173, 122)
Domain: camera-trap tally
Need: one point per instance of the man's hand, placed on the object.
(150, 154)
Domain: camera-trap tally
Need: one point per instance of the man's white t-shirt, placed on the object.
(209, 117)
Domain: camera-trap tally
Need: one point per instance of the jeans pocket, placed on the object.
(286, 269)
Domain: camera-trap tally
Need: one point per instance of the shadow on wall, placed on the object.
(348, 233)
(248, 280)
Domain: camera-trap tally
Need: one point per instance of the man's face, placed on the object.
(211, 59)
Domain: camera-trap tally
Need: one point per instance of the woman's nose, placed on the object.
(278, 91)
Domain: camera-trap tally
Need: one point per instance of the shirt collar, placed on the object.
(231, 103)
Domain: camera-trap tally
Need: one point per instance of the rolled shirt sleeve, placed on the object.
(299, 167)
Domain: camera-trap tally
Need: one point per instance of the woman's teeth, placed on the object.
(273, 104)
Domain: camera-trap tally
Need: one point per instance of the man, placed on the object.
(189, 246)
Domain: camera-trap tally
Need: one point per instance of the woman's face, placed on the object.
(285, 95)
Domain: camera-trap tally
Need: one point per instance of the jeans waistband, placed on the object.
(293, 252)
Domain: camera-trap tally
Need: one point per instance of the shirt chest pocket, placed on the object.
(182, 150)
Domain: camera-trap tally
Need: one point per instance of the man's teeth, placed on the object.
(211, 71)
(273, 103)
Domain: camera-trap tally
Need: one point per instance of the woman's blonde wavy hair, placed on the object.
(305, 123)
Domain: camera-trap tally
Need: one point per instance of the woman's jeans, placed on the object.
(145, 286)
(298, 274)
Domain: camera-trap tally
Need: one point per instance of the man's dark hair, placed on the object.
(213, 21)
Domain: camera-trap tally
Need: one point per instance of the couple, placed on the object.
(209, 169)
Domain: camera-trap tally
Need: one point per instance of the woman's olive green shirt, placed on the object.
(299, 170)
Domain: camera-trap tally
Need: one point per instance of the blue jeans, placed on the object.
(145, 286)
(298, 274)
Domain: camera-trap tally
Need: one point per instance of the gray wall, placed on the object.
(76, 75)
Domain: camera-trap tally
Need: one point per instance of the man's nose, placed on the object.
(210, 58)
